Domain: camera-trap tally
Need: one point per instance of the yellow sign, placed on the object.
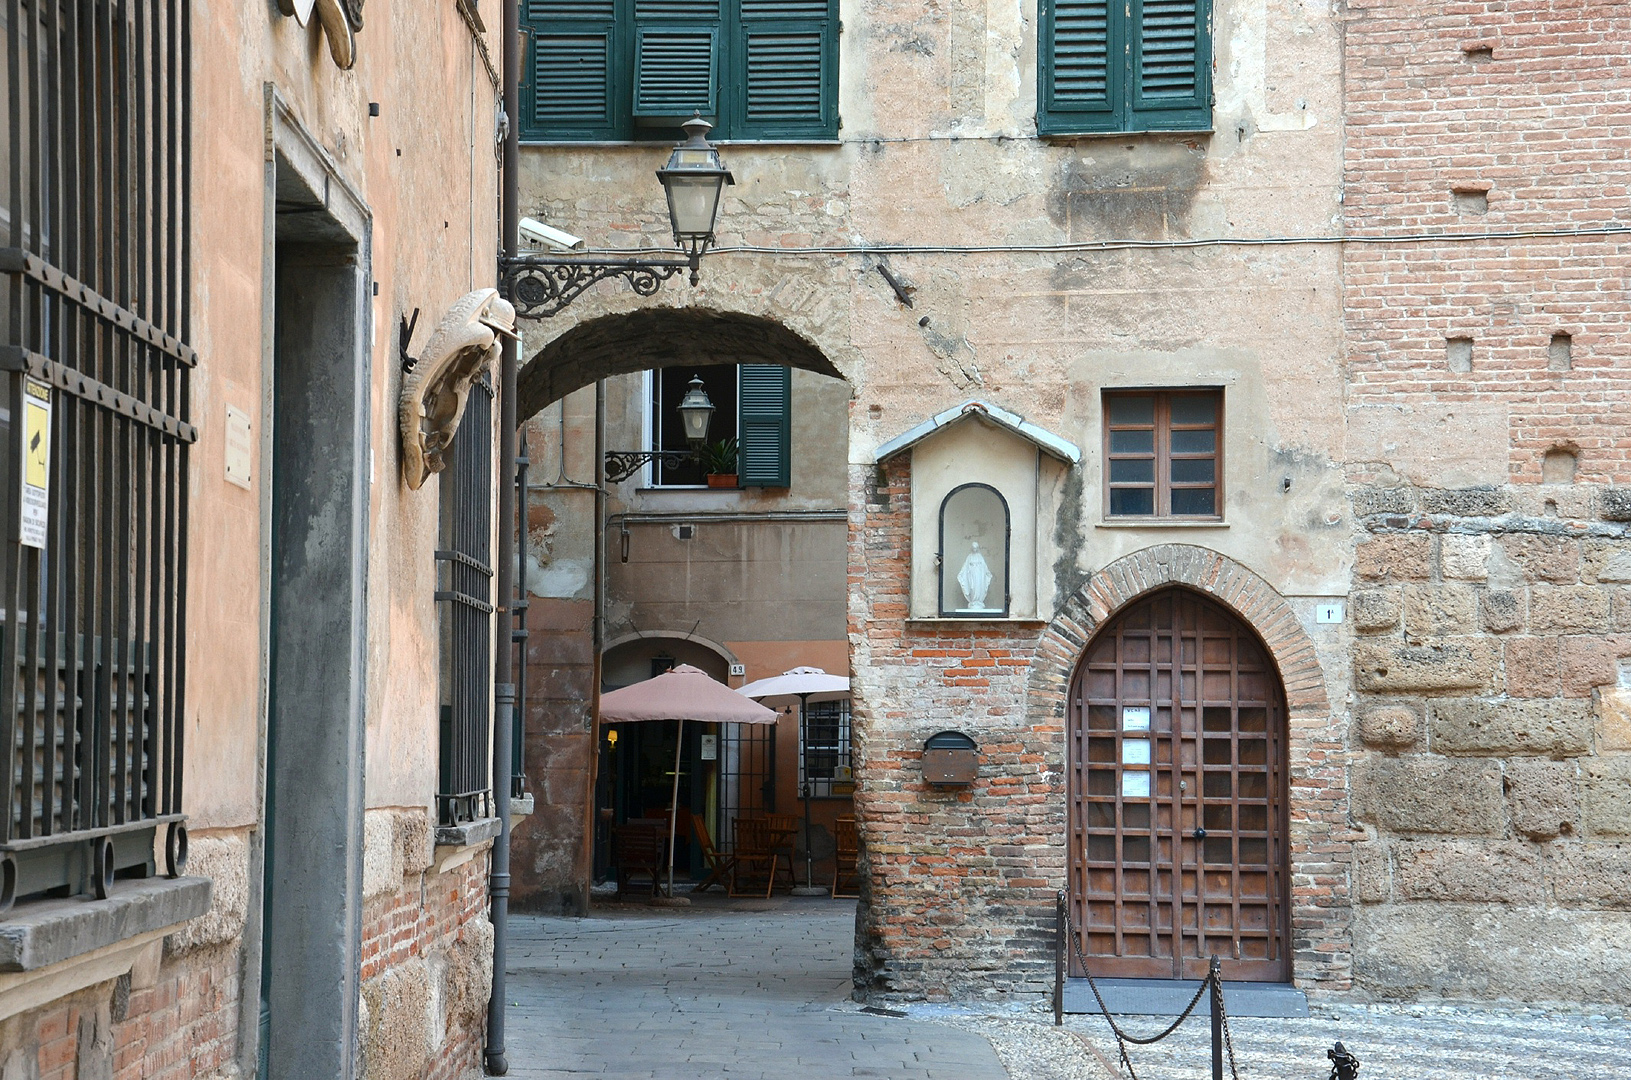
(36, 493)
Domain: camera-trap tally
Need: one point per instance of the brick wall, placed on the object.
(181, 1023)
(959, 884)
(1490, 756)
(1521, 103)
(427, 974)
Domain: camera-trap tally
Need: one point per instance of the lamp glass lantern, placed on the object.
(696, 412)
(694, 179)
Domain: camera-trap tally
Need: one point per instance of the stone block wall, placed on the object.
(427, 955)
(1492, 752)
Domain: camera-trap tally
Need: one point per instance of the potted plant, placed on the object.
(719, 462)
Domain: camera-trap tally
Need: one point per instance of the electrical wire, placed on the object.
(1089, 246)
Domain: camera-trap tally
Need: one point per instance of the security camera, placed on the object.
(559, 239)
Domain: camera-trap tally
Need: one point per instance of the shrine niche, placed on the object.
(984, 488)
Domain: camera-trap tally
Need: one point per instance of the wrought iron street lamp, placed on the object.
(694, 180)
(696, 411)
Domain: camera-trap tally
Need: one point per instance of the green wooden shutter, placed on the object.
(1124, 65)
(783, 69)
(568, 87)
(676, 60)
(1079, 69)
(764, 426)
(1171, 83)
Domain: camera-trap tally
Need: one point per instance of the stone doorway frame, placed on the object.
(1320, 837)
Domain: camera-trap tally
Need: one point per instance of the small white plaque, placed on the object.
(739, 669)
(1135, 785)
(240, 447)
(1328, 613)
(36, 472)
(710, 748)
(1135, 718)
(1135, 751)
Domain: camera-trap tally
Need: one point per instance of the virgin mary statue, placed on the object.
(975, 580)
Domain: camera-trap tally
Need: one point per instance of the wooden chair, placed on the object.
(784, 832)
(847, 858)
(750, 845)
(720, 864)
(637, 848)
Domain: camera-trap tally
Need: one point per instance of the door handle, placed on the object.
(1200, 834)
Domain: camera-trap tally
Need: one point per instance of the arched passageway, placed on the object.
(1177, 798)
(623, 344)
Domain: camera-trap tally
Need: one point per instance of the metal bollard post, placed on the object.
(1215, 975)
(1059, 960)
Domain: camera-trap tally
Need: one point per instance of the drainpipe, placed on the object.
(498, 888)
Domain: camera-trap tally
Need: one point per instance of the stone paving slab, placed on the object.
(753, 991)
(759, 990)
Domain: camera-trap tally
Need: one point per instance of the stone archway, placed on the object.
(627, 342)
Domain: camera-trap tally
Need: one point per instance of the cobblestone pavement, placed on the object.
(760, 990)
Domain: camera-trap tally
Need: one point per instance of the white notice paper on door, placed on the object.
(1135, 718)
(1135, 751)
(1135, 785)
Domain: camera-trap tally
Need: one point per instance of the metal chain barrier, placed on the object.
(1213, 982)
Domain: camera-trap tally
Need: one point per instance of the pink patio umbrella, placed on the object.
(681, 693)
(800, 682)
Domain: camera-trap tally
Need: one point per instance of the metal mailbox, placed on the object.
(950, 759)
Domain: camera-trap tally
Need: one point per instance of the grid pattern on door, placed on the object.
(1177, 800)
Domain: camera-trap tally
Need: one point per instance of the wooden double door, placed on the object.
(1177, 796)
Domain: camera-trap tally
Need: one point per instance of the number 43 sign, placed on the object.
(36, 470)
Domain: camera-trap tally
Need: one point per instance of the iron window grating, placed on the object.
(95, 259)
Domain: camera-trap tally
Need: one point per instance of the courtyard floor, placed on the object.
(759, 989)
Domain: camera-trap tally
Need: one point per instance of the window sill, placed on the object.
(52, 948)
(458, 844)
(644, 144)
(1078, 136)
(1162, 523)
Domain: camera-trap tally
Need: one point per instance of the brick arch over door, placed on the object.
(1218, 576)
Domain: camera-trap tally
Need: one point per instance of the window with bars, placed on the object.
(96, 430)
(1124, 65)
(824, 751)
(465, 591)
(634, 69)
(1162, 452)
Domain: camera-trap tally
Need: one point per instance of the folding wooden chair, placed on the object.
(847, 858)
(750, 844)
(720, 864)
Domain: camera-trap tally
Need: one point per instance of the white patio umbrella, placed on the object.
(801, 682)
(681, 693)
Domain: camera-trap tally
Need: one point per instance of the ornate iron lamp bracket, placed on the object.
(622, 464)
(541, 286)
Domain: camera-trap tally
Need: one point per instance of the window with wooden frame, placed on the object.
(1162, 452)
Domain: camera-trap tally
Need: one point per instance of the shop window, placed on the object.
(1145, 65)
(974, 553)
(1162, 454)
